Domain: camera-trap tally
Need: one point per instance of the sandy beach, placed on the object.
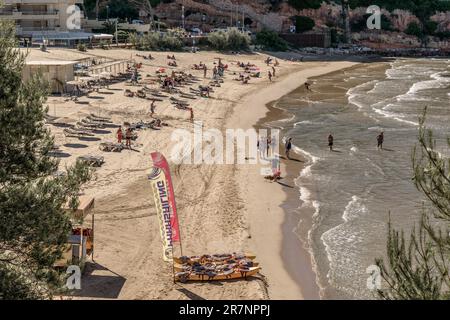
(222, 208)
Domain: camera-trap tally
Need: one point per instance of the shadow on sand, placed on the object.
(190, 294)
(107, 284)
(75, 145)
(291, 159)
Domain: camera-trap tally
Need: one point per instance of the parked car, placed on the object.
(196, 32)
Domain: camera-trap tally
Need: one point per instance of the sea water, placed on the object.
(353, 189)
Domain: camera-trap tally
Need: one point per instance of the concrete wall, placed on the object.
(56, 75)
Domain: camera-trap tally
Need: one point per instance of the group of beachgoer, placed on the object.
(288, 145)
(128, 135)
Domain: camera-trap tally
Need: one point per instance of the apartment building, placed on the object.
(39, 19)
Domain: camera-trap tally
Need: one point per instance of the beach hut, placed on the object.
(57, 73)
(80, 245)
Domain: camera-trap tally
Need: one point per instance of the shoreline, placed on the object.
(222, 208)
(266, 216)
(302, 273)
(298, 216)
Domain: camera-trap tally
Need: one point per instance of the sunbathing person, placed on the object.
(275, 176)
(128, 93)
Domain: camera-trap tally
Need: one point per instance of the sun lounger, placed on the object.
(111, 147)
(93, 161)
(188, 96)
(175, 100)
(99, 118)
(74, 134)
(50, 119)
(92, 124)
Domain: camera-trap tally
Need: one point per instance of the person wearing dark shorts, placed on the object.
(330, 141)
(380, 140)
(128, 138)
(288, 147)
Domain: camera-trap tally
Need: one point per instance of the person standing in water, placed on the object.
(307, 86)
(380, 140)
(288, 147)
(330, 141)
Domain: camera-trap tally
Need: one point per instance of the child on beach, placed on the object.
(270, 76)
(119, 135)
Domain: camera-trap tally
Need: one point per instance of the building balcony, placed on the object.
(29, 15)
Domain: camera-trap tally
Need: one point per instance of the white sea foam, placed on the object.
(302, 122)
(354, 209)
(396, 116)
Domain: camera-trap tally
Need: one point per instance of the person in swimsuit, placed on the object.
(119, 135)
(128, 137)
(380, 140)
(330, 141)
(288, 147)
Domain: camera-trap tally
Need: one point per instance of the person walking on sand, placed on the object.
(270, 76)
(288, 147)
(380, 140)
(330, 141)
(192, 114)
(128, 137)
(205, 70)
(119, 135)
(273, 71)
(152, 108)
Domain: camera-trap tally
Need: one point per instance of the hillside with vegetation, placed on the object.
(415, 22)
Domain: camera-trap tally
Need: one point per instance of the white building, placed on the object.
(54, 20)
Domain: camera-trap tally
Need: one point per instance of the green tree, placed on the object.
(270, 40)
(414, 29)
(419, 269)
(33, 224)
(232, 39)
(218, 40)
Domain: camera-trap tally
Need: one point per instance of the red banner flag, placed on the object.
(172, 224)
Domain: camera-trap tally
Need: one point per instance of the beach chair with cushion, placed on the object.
(93, 161)
(111, 147)
(98, 118)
